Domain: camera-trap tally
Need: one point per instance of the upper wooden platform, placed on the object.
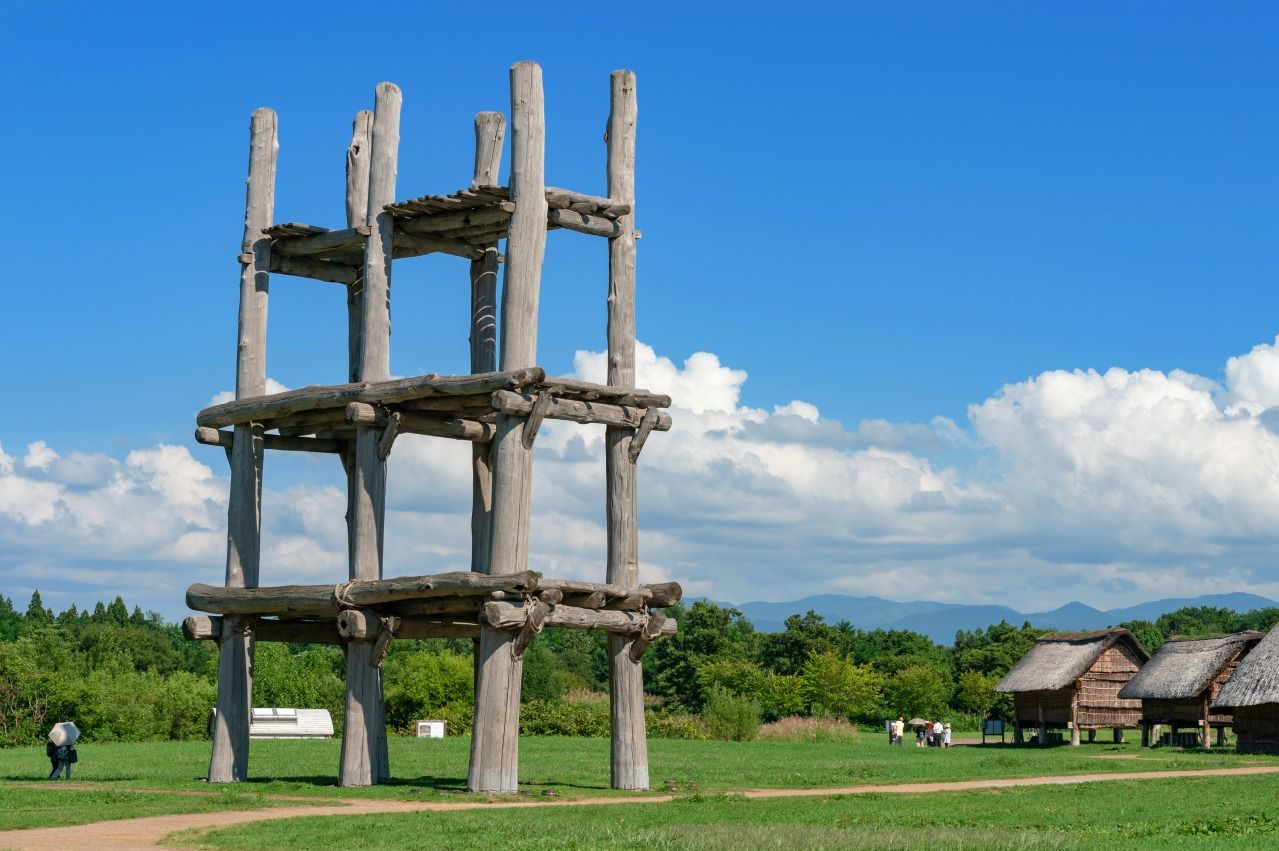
(457, 406)
(465, 224)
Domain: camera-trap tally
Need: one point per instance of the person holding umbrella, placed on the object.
(920, 726)
(61, 748)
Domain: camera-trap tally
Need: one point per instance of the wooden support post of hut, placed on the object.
(1072, 681)
(495, 735)
(1180, 682)
(1251, 695)
(230, 756)
(498, 602)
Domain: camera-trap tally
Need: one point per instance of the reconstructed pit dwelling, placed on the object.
(498, 408)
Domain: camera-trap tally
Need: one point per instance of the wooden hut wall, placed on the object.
(1223, 718)
(1187, 713)
(1055, 705)
(1099, 701)
(1257, 728)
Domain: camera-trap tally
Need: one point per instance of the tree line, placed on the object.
(124, 675)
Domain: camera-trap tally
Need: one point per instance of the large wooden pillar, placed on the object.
(490, 131)
(230, 759)
(630, 744)
(364, 760)
(495, 739)
(1074, 718)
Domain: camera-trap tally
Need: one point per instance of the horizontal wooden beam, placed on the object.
(226, 439)
(567, 199)
(319, 270)
(521, 404)
(330, 599)
(209, 628)
(658, 594)
(261, 408)
(589, 392)
(501, 615)
(205, 628)
(583, 223)
(411, 422)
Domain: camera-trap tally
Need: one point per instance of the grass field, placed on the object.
(1208, 813)
(128, 780)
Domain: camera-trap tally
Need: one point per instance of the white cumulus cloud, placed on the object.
(1109, 487)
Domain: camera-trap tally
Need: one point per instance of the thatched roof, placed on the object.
(1183, 668)
(1256, 680)
(1058, 660)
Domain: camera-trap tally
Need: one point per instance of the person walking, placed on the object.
(899, 730)
(945, 735)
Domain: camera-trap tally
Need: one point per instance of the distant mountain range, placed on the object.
(940, 621)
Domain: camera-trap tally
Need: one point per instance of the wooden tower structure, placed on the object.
(498, 408)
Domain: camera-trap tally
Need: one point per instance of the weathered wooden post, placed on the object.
(364, 736)
(629, 742)
(1074, 717)
(1118, 735)
(357, 212)
(495, 740)
(490, 131)
(230, 760)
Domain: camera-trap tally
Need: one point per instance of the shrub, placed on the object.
(423, 684)
(562, 718)
(731, 716)
(801, 729)
(183, 705)
(674, 725)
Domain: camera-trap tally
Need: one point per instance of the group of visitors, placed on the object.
(934, 734)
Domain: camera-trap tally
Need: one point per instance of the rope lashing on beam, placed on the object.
(341, 593)
(537, 615)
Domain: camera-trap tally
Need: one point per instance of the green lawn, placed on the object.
(1207, 813)
(569, 766)
(53, 806)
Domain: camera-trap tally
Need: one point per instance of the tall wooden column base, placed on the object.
(364, 760)
(230, 760)
(495, 739)
(626, 708)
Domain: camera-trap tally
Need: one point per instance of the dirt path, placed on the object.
(147, 833)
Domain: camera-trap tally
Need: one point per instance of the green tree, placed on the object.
(10, 620)
(995, 649)
(805, 635)
(118, 612)
(37, 615)
(835, 685)
(1148, 634)
(918, 690)
(975, 693)
(707, 633)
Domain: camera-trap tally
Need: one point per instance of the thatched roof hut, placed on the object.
(1072, 681)
(1252, 694)
(1178, 685)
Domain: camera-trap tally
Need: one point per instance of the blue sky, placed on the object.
(892, 213)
